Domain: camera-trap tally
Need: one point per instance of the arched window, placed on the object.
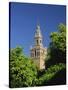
(35, 53)
(37, 41)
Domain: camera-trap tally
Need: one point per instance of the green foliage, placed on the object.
(59, 38)
(50, 73)
(57, 48)
(23, 72)
(59, 78)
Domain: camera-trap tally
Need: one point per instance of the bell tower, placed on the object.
(38, 52)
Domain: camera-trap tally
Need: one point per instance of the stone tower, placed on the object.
(38, 52)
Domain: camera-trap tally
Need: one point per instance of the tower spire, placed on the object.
(38, 31)
(38, 35)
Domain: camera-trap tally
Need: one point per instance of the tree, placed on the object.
(57, 48)
(59, 38)
(52, 74)
(23, 71)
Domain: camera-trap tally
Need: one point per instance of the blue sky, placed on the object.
(24, 19)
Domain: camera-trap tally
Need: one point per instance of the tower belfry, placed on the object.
(38, 36)
(38, 52)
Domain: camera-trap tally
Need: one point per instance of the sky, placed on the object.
(24, 18)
